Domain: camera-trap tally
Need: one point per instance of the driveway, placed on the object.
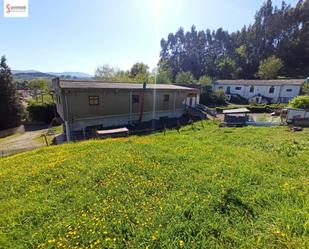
(22, 142)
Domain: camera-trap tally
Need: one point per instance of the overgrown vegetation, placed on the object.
(301, 102)
(42, 112)
(203, 188)
(270, 68)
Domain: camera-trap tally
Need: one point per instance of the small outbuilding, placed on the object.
(236, 117)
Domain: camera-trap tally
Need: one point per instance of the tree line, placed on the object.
(276, 44)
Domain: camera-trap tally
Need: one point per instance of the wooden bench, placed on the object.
(113, 132)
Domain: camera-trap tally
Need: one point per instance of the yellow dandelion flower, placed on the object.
(181, 243)
(154, 237)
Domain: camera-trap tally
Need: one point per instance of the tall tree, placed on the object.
(105, 72)
(282, 32)
(39, 87)
(10, 106)
(163, 73)
(227, 68)
(185, 77)
(139, 69)
(270, 68)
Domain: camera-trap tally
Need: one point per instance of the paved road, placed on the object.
(26, 141)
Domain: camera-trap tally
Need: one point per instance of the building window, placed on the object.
(228, 90)
(271, 89)
(135, 99)
(251, 89)
(93, 100)
(289, 90)
(166, 97)
(238, 88)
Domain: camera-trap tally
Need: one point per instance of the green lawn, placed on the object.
(208, 188)
(56, 129)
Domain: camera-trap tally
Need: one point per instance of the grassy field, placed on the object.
(205, 188)
(56, 130)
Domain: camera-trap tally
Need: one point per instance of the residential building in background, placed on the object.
(261, 91)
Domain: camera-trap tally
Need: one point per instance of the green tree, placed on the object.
(270, 68)
(163, 77)
(220, 95)
(105, 72)
(140, 73)
(305, 89)
(163, 73)
(139, 70)
(39, 87)
(38, 84)
(185, 77)
(280, 31)
(227, 68)
(301, 102)
(10, 106)
(205, 80)
(122, 76)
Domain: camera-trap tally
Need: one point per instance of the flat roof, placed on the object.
(234, 111)
(261, 82)
(92, 84)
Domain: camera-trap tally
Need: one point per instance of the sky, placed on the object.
(79, 35)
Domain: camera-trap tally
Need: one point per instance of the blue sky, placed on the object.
(79, 35)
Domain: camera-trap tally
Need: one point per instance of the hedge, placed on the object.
(41, 112)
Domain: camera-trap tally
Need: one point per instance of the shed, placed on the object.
(236, 117)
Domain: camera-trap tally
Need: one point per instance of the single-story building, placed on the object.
(261, 91)
(83, 104)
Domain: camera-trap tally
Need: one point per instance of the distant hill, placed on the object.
(32, 74)
(72, 74)
(29, 75)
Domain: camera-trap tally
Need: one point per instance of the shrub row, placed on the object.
(41, 112)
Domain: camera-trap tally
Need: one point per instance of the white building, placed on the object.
(261, 91)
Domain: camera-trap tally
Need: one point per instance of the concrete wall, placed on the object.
(59, 99)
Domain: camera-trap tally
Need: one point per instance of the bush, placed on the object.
(41, 112)
(301, 102)
(259, 108)
(237, 99)
(210, 98)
